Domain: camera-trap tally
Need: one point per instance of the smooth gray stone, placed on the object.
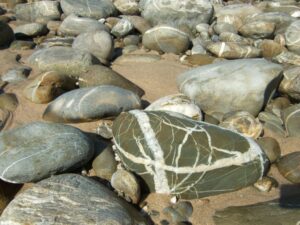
(180, 13)
(127, 7)
(6, 34)
(39, 149)
(219, 88)
(63, 60)
(98, 43)
(96, 9)
(89, 104)
(74, 25)
(266, 213)
(30, 30)
(70, 199)
(16, 75)
(183, 157)
(231, 37)
(41, 12)
(291, 119)
(292, 37)
(122, 28)
(166, 39)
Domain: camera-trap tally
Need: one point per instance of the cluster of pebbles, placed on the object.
(208, 139)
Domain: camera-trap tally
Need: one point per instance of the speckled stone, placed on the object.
(89, 104)
(39, 149)
(290, 84)
(6, 34)
(234, 85)
(291, 117)
(271, 148)
(190, 159)
(292, 37)
(70, 199)
(289, 167)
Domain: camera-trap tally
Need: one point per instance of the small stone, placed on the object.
(8, 101)
(198, 60)
(184, 208)
(288, 58)
(289, 167)
(258, 29)
(290, 117)
(131, 40)
(224, 27)
(129, 48)
(6, 34)
(22, 45)
(139, 23)
(290, 84)
(122, 28)
(53, 26)
(30, 30)
(127, 7)
(292, 37)
(232, 37)
(173, 215)
(57, 41)
(264, 184)
(270, 48)
(16, 75)
(276, 105)
(104, 129)
(272, 122)
(271, 148)
(134, 58)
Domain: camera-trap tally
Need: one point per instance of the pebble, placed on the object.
(289, 167)
(9, 101)
(290, 117)
(271, 147)
(30, 30)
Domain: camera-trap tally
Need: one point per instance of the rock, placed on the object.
(53, 26)
(137, 58)
(179, 212)
(30, 30)
(270, 48)
(39, 11)
(235, 12)
(63, 60)
(52, 197)
(236, 21)
(166, 39)
(98, 75)
(57, 41)
(8, 101)
(232, 85)
(179, 13)
(6, 34)
(276, 105)
(204, 159)
(271, 148)
(122, 28)
(289, 167)
(104, 129)
(47, 86)
(129, 49)
(290, 83)
(6, 118)
(267, 213)
(272, 122)
(288, 57)
(126, 183)
(242, 122)
(224, 27)
(74, 25)
(233, 50)
(292, 37)
(178, 103)
(290, 117)
(22, 45)
(105, 164)
(16, 75)
(89, 104)
(131, 40)
(258, 29)
(127, 7)
(265, 184)
(38, 150)
(96, 9)
(139, 23)
(237, 39)
(98, 43)
(174, 216)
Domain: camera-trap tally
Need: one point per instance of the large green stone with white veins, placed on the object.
(190, 159)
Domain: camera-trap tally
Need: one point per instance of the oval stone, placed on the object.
(89, 104)
(39, 149)
(292, 37)
(290, 83)
(291, 116)
(289, 167)
(70, 199)
(183, 157)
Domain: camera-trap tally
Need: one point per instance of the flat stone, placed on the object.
(291, 117)
(98, 75)
(292, 37)
(290, 83)
(6, 34)
(183, 157)
(89, 104)
(137, 58)
(288, 58)
(38, 150)
(289, 167)
(30, 30)
(275, 106)
(98, 43)
(127, 7)
(198, 59)
(49, 202)
(258, 29)
(63, 60)
(74, 25)
(96, 9)
(41, 11)
(232, 85)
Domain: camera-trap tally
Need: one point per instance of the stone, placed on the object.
(166, 39)
(183, 157)
(292, 37)
(22, 45)
(89, 104)
(104, 129)
(38, 11)
(96, 9)
(290, 117)
(30, 30)
(198, 59)
(238, 11)
(232, 37)
(127, 7)
(178, 13)
(74, 25)
(57, 41)
(137, 58)
(139, 23)
(224, 27)
(47, 86)
(63, 60)
(219, 88)
(242, 122)
(8, 101)
(98, 43)
(178, 103)
(53, 26)
(16, 75)
(38, 150)
(6, 34)
(98, 75)
(290, 83)
(233, 51)
(131, 40)
(258, 29)
(6, 118)
(265, 184)
(179, 212)
(289, 167)
(270, 48)
(7, 193)
(105, 164)
(271, 147)
(122, 28)
(272, 122)
(236, 21)
(276, 105)
(288, 58)
(91, 202)
(126, 183)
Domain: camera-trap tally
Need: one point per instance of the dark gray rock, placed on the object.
(38, 150)
(70, 199)
(6, 34)
(122, 28)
